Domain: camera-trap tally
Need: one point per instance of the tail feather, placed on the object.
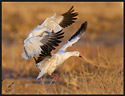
(40, 75)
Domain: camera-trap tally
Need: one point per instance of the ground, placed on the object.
(100, 71)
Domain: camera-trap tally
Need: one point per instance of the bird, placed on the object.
(53, 24)
(48, 63)
(42, 44)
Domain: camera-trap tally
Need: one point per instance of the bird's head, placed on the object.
(77, 53)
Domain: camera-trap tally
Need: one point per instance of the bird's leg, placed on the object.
(58, 79)
(55, 77)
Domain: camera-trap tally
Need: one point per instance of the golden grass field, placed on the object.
(100, 71)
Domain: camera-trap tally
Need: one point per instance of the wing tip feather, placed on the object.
(81, 30)
(84, 26)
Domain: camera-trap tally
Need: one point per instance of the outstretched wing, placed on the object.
(75, 37)
(41, 45)
(68, 18)
(59, 22)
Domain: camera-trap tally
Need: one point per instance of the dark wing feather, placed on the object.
(80, 31)
(49, 43)
(69, 18)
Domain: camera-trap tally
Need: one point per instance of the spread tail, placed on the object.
(40, 75)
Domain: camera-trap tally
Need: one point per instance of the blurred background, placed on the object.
(102, 45)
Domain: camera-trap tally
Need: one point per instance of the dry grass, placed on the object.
(99, 72)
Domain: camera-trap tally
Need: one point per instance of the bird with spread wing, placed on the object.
(48, 62)
(48, 32)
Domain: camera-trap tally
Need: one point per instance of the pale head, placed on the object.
(77, 53)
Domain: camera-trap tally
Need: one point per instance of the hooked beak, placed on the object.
(80, 55)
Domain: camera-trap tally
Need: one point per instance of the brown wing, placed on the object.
(68, 17)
